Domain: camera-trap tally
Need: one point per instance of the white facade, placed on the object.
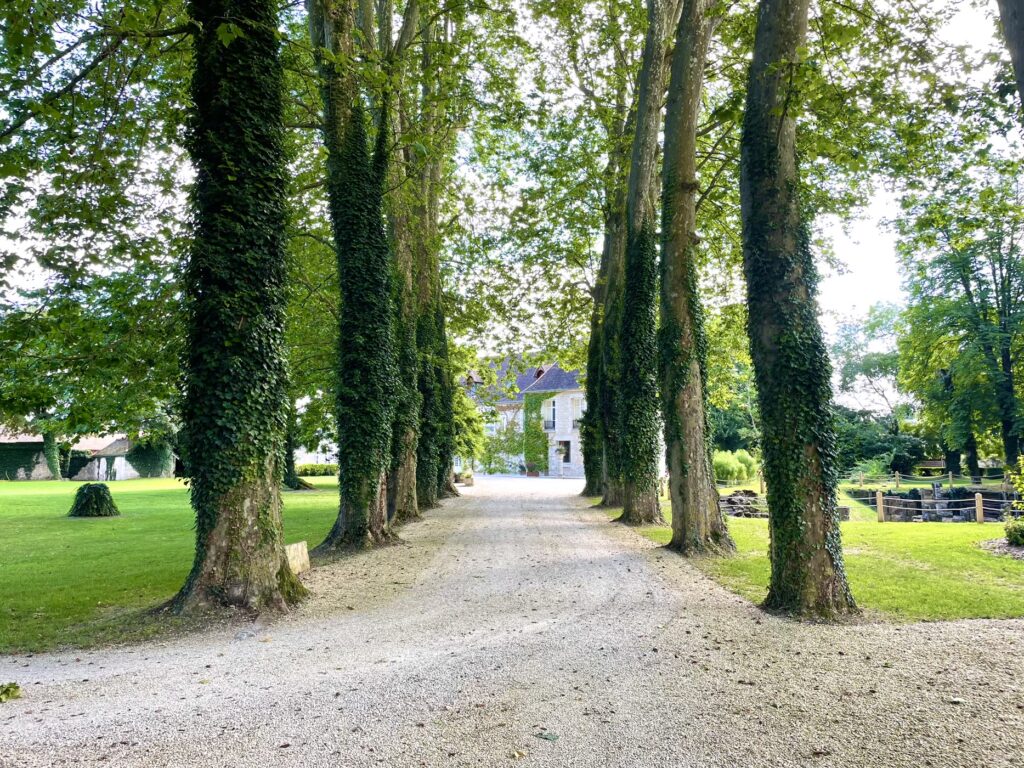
(562, 413)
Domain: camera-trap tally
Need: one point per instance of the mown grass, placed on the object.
(85, 581)
(900, 571)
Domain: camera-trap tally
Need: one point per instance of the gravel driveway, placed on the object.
(518, 627)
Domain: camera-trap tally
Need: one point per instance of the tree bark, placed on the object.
(235, 405)
(638, 345)
(1011, 16)
(697, 522)
(609, 403)
(591, 432)
(367, 365)
(1007, 398)
(790, 361)
(971, 452)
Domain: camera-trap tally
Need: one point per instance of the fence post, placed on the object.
(979, 508)
(760, 477)
(880, 503)
(897, 476)
(950, 479)
(861, 479)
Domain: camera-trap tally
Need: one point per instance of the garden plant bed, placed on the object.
(1001, 548)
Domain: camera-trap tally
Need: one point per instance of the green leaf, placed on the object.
(227, 33)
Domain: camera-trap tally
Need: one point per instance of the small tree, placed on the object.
(93, 500)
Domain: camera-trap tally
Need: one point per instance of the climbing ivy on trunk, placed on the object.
(366, 356)
(791, 364)
(234, 405)
(638, 357)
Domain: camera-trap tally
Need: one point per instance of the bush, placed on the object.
(727, 468)
(1015, 532)
(316, 470)
(749, 463)
(94, 500)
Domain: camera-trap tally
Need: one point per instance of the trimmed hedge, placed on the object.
(316, 470)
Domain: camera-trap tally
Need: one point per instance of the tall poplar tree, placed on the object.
(791, 364)
(367, 370)
(235, 405)
(697, 522)
(638, 356)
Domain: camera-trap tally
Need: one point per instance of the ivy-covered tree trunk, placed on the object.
(51, 452)
(367, 370)
(790, 360)
(235, 404)
(1011, 16)
(697, 522)
(591, 438)
(638, 343)
(436, 440)
(446, 443)
(609, 403)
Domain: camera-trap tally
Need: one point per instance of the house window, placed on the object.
(549, 415)
(577, 412)
(565, 448)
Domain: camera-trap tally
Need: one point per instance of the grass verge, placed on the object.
(88, 581)
(897, 571)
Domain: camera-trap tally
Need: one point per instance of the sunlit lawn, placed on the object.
(906, 571)
(79, 581)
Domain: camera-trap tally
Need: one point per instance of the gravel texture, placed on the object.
(518, 627)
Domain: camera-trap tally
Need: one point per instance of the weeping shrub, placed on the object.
(94, 500)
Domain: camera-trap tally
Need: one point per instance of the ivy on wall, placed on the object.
(154, 460)
(17, 460)
(535, 439)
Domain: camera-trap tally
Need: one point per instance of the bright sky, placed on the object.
(871, 273)
(865, 246)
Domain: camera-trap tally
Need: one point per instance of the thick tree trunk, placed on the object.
(51, 452)
(609, 402)
(237, 563)
(697, 522)
(235, 404)
(591, 434)
(971, 457)
(1011, 15)
(790, 361)
(638, 341)
(1007, 398)
(402, 500)
(951, 459)
(367, 364)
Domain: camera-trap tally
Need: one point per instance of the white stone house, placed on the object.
(22, 458)
(561, 412)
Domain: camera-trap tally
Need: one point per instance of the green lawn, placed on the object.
(903, 571)
(82, 581)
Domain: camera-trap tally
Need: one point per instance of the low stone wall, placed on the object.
(750, 504)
